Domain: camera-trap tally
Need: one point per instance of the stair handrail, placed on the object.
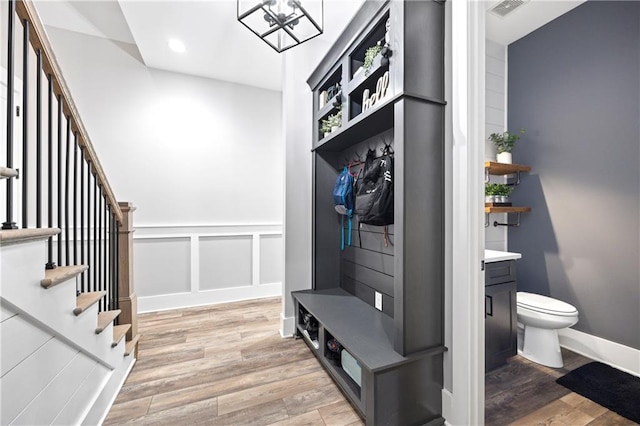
(27, 11)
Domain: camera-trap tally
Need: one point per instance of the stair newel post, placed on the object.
(127, 300)
(9, 223)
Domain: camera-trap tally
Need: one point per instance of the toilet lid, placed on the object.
(542, 303)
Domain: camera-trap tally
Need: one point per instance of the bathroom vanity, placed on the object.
(501, 321)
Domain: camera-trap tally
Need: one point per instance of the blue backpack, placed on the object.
(343, 200)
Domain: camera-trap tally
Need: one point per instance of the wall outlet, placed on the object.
(378, 301)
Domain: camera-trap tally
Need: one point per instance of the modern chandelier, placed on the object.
(282, 24)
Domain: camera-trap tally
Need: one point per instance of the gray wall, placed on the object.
(574, 85)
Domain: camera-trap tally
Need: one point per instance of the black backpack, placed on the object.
(374, 196)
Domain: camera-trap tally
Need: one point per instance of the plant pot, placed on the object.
(334, 128)
(489, 198)
(504, 157)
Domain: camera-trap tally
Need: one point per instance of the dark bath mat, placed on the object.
(614, 389)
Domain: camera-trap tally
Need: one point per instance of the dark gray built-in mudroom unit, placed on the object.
(383, 303)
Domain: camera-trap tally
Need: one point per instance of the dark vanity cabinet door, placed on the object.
(501, 322)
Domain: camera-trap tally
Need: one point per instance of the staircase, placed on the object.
(68, 312)
(60, 357)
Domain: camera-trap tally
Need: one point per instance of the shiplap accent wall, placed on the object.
(495, 116)
(42, 379)
(179, 266)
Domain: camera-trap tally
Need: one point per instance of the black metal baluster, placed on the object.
(82, 287)
(105, 268)
(99, 262)
(110, 262)
(75, 198)
(50, 263)
(96, 284)
(39, 139)
(59, 173)
(89, 263)
(9, 223)
(116, 284)
(25, 121)
(67, 228)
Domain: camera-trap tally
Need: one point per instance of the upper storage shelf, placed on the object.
(372, 73)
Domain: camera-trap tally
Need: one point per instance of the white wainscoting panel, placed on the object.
(270, 259)
(215, 264)
(225, 261)
(161, 266)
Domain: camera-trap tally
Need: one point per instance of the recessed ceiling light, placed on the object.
(176, 45)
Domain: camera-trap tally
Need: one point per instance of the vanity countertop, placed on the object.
(498, 256)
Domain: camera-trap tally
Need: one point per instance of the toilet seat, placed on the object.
(544, 304)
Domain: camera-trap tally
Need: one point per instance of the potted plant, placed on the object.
(489, 193)
(504, 142)
(331, 123)
(369, 56)
(497, 193)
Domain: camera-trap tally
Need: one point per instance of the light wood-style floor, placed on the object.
(227, 365)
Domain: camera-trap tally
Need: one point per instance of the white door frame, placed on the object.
(467, 245)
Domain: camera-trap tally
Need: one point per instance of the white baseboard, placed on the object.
(207, 297)
(447, 406)
(288, 327)
(616, 355)
(104, 401)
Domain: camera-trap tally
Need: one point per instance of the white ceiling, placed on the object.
(219, 47)
(525, 19)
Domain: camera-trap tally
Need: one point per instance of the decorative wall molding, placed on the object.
(288, 326)
(175, 265)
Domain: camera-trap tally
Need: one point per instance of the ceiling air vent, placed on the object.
(505, 7)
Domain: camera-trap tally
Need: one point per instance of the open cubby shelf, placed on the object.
(383, 303)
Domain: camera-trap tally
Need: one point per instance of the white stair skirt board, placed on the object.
(104, 401)
(207, 297)
(288, 326)
(614, 354)
(51, 309)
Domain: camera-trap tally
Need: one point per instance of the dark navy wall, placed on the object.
(574, 85)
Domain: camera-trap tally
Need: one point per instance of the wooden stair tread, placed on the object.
(13, 236)
(131, 345)
(6, 173)
(61, 274)
(119, 331)
(106, 318)
(85, 300)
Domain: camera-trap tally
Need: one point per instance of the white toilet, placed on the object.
(541, 317)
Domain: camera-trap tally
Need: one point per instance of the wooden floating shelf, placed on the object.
(505, 169)
(507, 209)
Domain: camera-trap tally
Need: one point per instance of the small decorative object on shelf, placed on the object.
(497, 194)
(331, 123)
(369, 56)
(504, 142)
(381, 91)
(323, 98)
